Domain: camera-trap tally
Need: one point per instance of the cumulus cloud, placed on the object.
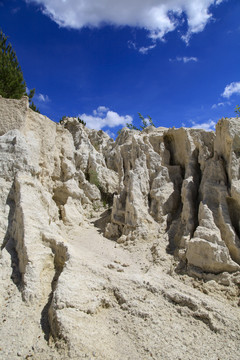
(208, 126)
(158, 17)
(185, 59)
(104, 117)
(101, 110)
(233, 88)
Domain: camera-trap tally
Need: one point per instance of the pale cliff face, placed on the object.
(174, 204)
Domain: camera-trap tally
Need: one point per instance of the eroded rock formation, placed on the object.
(168, 200)
(183, 184)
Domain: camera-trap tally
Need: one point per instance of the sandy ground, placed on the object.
(114, 302)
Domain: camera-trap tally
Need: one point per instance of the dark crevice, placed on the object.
(149, 202)
(60, 258)
(124, 167)
(9, 242)
(87, 176)
(59, 214)
(234, 211)
(224, 164)
(196, 198)
(173, 228)
(173, 206)
(106, 197)
(174, 215)
(168, 143)
(45, 323)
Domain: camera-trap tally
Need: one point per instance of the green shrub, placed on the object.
(81, 121)
(145, 123)
(237, 110)
(93, 178)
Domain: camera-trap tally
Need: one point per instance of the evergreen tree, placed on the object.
(12, 84)
(31, 103)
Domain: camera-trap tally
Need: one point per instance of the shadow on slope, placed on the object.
(102, 221)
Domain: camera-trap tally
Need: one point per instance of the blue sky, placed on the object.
(106, 60)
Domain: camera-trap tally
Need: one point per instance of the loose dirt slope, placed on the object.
(118, 250)
(113, 302)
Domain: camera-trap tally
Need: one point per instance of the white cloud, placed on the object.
(42, 98)
(221, 104)
(145, 50)
(103, 117)
(158, 17)
(185, 59)
(218, 104)
(233, 88)
(101, 110)
(39, 97)
(208, 126)
(132, 45)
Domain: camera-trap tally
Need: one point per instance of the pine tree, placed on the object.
(12, 84)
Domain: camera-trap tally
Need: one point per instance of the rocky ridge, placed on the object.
(125, 249)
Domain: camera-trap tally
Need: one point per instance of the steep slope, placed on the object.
(98, 239)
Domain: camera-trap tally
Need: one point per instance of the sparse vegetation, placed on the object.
(93, 178)
(65, 117)
(31, 103)
(81, 121)
(62, 119)
(237, 111)
(145, 123)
